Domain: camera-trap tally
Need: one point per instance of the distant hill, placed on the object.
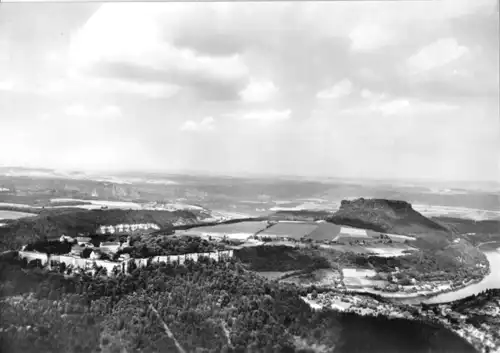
(477, 232)
(392, 216)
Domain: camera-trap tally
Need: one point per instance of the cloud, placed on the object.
(205, 124)
(258, 91)
(6, 85)
(80, 111)
(383, 104)
(137, 48)
(367, 94)
(267, 116)
(369, 37)
(436, 54)
(340, 89)
(77, 83)
(391, 107)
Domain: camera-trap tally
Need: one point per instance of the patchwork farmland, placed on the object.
(290, 230)
(236, 231)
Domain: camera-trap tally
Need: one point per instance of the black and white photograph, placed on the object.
(249, 176)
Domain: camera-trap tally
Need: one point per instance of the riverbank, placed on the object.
(448, 293)
(482, 339)
(489, 281)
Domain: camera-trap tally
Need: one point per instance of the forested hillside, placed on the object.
(208, 307)
(52, 224)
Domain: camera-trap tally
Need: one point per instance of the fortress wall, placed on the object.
(110, 265)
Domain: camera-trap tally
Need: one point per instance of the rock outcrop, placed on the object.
(391, 216)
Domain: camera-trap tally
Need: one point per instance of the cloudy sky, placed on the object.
(384, 89)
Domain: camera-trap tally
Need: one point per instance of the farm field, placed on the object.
(288, 229)
(97, 204)
(389, 250)
(14, 214)
(324, 232)
(273, 275)
(241, 230)
(355, 278)
(400, 238)
(358, 249)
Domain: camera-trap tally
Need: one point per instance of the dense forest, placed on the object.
(423, 265)
(52, 224)
(199, 307)
(142, 246)
(280, 258)
(476, 232)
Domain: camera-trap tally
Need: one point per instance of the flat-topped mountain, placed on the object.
(390, 216)
(398, 217)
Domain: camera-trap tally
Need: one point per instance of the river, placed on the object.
(492, 280)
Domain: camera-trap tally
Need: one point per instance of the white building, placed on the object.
(111, 246)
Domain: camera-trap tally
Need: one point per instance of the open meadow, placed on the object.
(293, 230)
(240, 231)
(14, 214)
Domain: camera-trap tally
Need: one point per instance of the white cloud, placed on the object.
(340, 89)
(381, 103)
(259, 91)
(205, 124)
(267, 116)
(368, 74)
(369, 37)
(77, 82)
(391, 107)
(76, 110)
(6, 85)
(436, 54)
(111, 111)
(137, 38)
(80, 111)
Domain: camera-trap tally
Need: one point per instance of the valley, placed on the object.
(367, 257)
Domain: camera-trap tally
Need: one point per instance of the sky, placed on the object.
(406, 89)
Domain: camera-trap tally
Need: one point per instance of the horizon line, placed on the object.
(194, 172)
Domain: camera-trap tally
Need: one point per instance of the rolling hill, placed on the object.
(52, 224)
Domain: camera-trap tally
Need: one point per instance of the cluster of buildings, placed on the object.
(482, 338)
(81, 243)
(91, 263)
(124, 228)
